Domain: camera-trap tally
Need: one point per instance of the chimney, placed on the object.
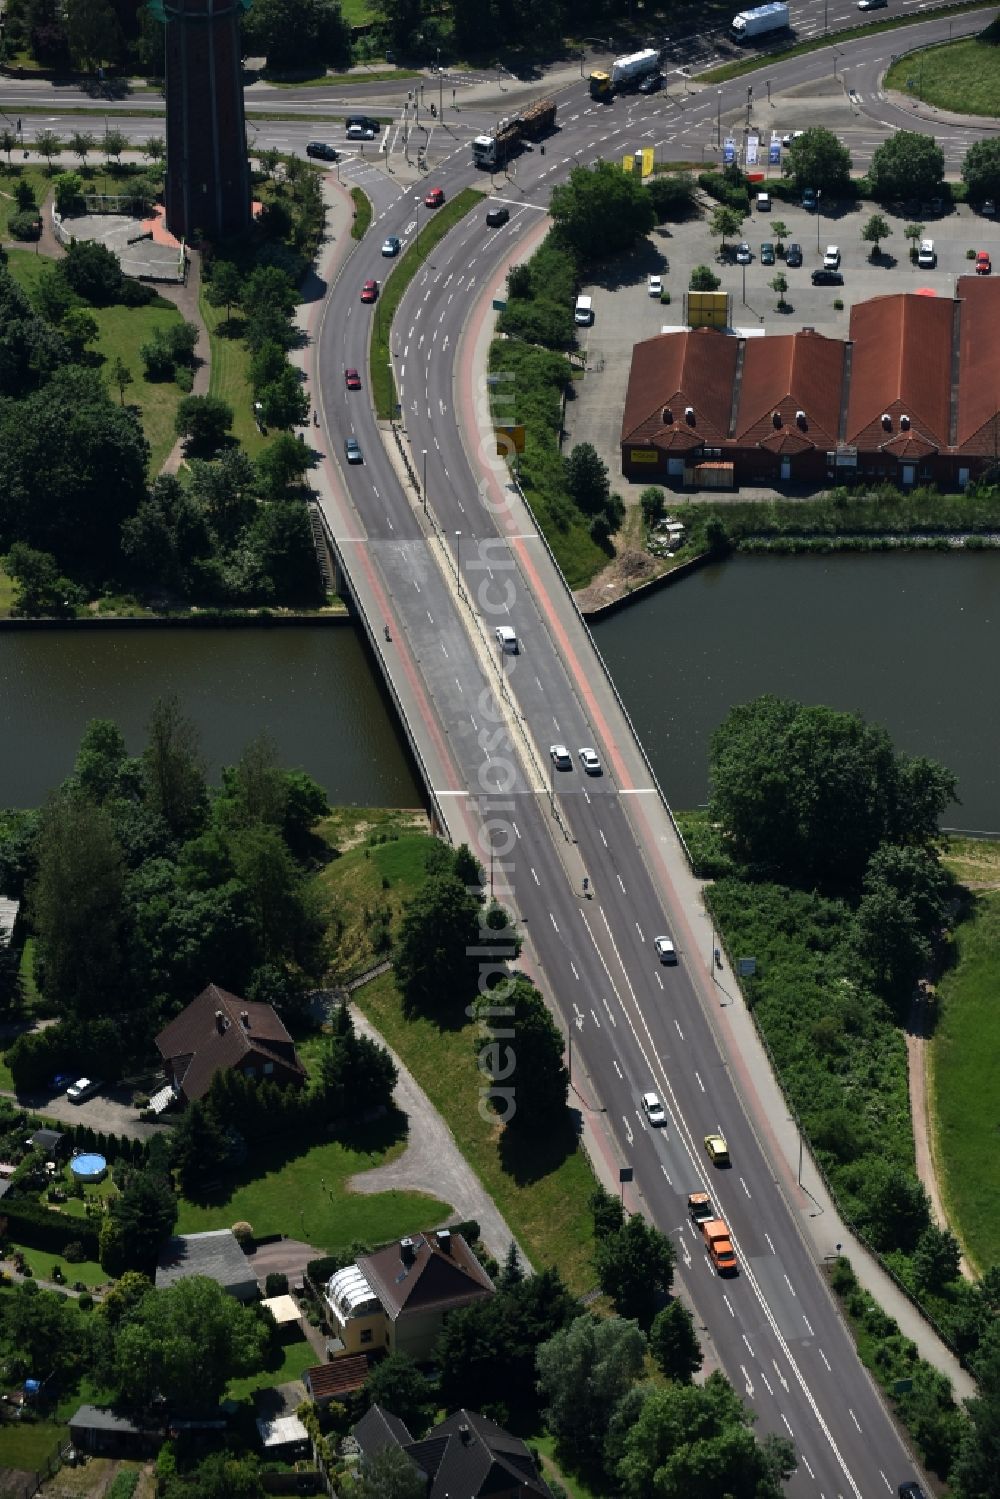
(221, 1023)
(245, 1019)
(466, 1434)
(407, 1251)
(443, 1237)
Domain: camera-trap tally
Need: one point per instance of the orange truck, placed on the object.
(719, 1245)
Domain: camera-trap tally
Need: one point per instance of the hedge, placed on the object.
(39, 1228)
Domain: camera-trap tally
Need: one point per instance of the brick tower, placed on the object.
(208, 174)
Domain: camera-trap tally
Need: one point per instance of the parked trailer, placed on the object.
(760, 21)
(491, 151)
(625, 73)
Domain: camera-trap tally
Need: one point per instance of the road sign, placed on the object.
(747, 967)
(499, 304)
(624, 1173)
(728, 151)
(510, 439)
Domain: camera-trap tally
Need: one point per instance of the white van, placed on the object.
(584, 311)
(927, 255)
(763, 202)
(506, 639)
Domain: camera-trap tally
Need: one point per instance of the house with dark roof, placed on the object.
(217, 1031)
(216, 1253)
(466, 1456)
(912, 396)
(397, 1299)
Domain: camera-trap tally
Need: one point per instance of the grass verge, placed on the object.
(348, 80)
(230, 375)
(962, 76)
(543, 1196)
(361, 222)
(28, 1446)
(303, 1192)
(290, 1362)
(42, 1260)
(6, 604)
(834, 38)
(965, 1101)
(383, 385)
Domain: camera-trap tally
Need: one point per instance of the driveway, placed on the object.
(110, 1113)
(285, 1257)
(432, 1162)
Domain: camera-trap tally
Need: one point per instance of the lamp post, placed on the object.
(718, 119)
(458, 561)
(440, 87)
(425, 481)
(819, 197)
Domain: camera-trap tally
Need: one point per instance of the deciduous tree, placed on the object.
(906, 165)
(584, 1370)
(601, 211)
(174, 770)
(817, 159)
(635, 1267)
(396, 1384)
(673, 1342)
(875, 230)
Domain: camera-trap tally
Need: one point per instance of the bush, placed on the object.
(85, 1301)
(728, 187)
(73, 1252)
(25, 226)
(276, 1284)
(243, 1233)
(34, 1225)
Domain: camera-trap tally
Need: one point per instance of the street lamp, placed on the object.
(718, 120)
(819, 196)
(458, 561)
(425, 481)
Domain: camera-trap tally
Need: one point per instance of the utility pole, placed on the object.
(425, 481)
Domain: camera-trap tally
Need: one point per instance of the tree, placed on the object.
(174, 770)
(601, 211)
(781, 231)
(68, 188)
(297, 33)
(975, 1472)
(876, 229)
(113, 144)
(691, 1439)
(93, 33)
(355, 1072)
(396, 1384)
(936, 1259)
(703, 278)
(285, 402)
(914, 232)
(225, 287)
(817, 159)
(511, 1273)
(635, 1267)
(607, 1212)
(137, 1223)
(587, 478)
(41, 588)
(204, 421)
(48, 144)
(122, 376)
(779, 283)
(674, 1344)
(672, 195)
(185, 1344)
(81, 143)
(280, 906)
(725, 223)
(389, 1474)
(154, 148)
(890, 942)
(280, 542)
(523, 1059)
(281, 465)
(198, 1148)
(436, 963)
(981, 170)
(93, 272)
(907, 165)
(76, 905)
(584, 1370)
(100, 758)
(79, 328)
(44, 1333)
(652, 502)
(8, 143)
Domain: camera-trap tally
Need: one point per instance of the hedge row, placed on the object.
(39, 1228)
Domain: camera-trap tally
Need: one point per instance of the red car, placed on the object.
(369, 292)
(352, 379)
(434, 198)
(983, 264)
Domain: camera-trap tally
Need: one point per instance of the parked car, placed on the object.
(665, 950)
(744, 254)
(831, 258)
(823, 277)
(352, 450)
(653, 1109)
(390, 246)
(560, 757)
(655, 286)
(793, 255)
(321, 149)
(983, 263)
(82, 1089)
(927, 255)
(434, 198)
(989, 208)
(589, 761)
(495, 217)
(767, 253)
(809, 199)
(369, 292)
(352, 379)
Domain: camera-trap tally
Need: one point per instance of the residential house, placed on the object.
(215, 1254)
(466, 1456)
(219, 1030)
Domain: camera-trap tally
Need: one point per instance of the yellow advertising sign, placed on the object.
(643, 455)
(647, 161)
(510, 439)
(708, 309)
(628, 161)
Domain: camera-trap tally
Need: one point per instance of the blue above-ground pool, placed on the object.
(89, 1167)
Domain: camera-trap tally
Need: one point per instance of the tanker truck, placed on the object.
(761, 21)
(625, 73)
(492, 151)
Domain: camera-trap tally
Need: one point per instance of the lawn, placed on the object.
(544, 1197)
(38, 180)
(964, 1097)
(230, 376)
(575, 1487)
(122, 331)
(28, 1445)
(296, 1356)
(305, 1195)
(961, 76)
(42, 1260)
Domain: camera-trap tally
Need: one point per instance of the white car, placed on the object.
(560, 757)
(665, 950)
(81, 1089)
(744, 254)
(590, 762)
(927, 255)
(506, 639)
(653, 1109)
(655, 286)
(831, 259)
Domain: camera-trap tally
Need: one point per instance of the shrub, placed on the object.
(243, 1233)
(32, 1224)
(184, 379)
(703, 278)
(276, 1284)
(73, 1252)
(25, 225)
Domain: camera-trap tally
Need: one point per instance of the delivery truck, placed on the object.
(530, 124)
(625, 73)
(719, 1245)
(751, 25)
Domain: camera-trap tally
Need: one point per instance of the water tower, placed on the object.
(208, 174)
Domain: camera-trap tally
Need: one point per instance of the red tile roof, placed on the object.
(979, 366)
(791, 373)
(901, 365)
(672, 372)
(340, 1377)
(197, 1044)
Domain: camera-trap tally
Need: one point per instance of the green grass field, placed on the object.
(123, 330)
(35, 175)
(305, 1195)
(544, 1196)
(354, 882)
(296, 1356)
(961, 76)
(42, 1260)
(230, 377)
(964, 1096)
(28, 1446)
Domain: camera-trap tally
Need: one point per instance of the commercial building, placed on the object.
(911, 396)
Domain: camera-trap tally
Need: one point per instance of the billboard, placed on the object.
(774, 153)
(728, 151)
(510, 439)
(753, 148)
(708, 309)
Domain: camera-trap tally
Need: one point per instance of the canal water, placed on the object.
(911, 641)
(312, 689)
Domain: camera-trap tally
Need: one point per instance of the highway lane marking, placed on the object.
(678, 1025)
(744, 1186)
(607, 1007)
(573, 967)
(535, 877)
(586, 794)
(769, 1244)
(577, 1011)
(788, 1428)
(603, 839)
(517, 834)
(659, 981)
(639, 930)
(886, 1481)
(748, 1381)
(445, 649)
(749, 1349)
(854, 1418)
(553, 921)
(628, 1130)
(824, 1358)
(781, 1378)
(621, 882)
(701, 1085)
(789, 1285)
(805, 1464)
(808, 1325)
(596, 1021)
(729, 1304)
(459, 685)
(618, 1070)
(767, 1382)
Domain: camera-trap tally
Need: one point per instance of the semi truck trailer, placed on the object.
(625, 73)
(530, 124)
(748, 25)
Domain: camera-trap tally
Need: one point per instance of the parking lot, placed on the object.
(624, 313)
